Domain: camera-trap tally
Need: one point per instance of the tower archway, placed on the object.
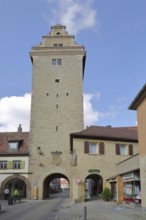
(55, 183)
(94, 185)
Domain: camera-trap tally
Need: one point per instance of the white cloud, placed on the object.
(14, 111)
(76, 15)
(91, 116)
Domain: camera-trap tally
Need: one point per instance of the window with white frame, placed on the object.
(13, 146)
(93, 148)
(3, 164)
(16, 164)
(123, 149)
(56, 61)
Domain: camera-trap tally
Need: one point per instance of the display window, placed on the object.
(131, 187)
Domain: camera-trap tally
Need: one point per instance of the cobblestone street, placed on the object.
(100, 210)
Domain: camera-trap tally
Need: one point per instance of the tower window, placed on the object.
(57, 95)
(47, 94)
(67, 94)
(58, 45)
(57, 80)
(57, 106)
(56, 61)
(56, 128)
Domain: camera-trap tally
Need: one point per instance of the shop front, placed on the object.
(131, 187)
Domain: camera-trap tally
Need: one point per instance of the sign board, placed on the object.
(130, 177)
(78, 180)
(94, 171)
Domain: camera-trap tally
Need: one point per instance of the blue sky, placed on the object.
(114, 35)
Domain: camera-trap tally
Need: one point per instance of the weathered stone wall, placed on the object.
(57, 106)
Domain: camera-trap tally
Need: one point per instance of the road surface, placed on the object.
(34, 209)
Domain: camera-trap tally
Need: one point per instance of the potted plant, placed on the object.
(106, 194)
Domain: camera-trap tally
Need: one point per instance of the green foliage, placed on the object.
(106, 194)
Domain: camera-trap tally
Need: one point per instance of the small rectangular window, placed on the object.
(56, 61)
(58, 45)
(59, 61)
(123, 149)
(57, 80)
(55, 45)
(3, 164)
(93, 148)
(13, 146)
(16, 164)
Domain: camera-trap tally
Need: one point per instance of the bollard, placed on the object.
(85, 213)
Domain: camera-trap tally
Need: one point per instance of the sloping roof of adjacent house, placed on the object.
(138, 99)
(107, 133)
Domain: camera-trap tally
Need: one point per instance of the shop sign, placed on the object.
(130, 177)
(94, 171)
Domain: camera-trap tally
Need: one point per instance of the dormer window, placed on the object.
(13, 146)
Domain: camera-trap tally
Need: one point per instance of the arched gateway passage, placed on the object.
(17, 181)
(93, 185)
(54, 183)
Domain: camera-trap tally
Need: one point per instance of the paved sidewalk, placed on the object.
(100, 210)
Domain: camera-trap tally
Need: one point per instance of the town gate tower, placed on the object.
(56, 107)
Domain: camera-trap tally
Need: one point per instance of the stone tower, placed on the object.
(56, 108)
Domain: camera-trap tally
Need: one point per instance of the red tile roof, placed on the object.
(22, 137)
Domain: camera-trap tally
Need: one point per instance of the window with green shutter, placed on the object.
(16, 164)
(3, 164)
(9, 165)
(22, 164)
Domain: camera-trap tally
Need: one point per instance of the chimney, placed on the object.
(19, 128)
(108, 126)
